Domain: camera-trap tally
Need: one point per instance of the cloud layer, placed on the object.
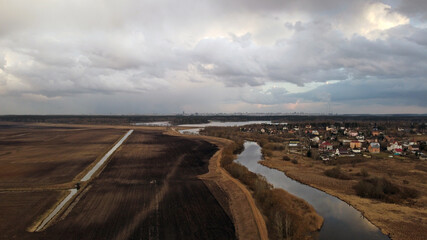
(138, 57)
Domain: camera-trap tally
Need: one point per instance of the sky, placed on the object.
(213, 56)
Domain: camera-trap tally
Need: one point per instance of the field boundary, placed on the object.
(40, 224)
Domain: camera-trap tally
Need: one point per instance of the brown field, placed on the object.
(18, 211)
(247, 218)
(155, 186)
(404, 220)
(149, 189)
(34, 156)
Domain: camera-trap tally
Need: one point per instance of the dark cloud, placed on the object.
(416, 8)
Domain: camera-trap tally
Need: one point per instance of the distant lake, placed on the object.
(154, 124)
(225, 124)
(198, 127)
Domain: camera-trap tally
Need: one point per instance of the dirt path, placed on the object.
(149, 190)
(248, 220)
(70, 197)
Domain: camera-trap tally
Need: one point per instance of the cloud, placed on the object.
(58, 52)
(415, 8)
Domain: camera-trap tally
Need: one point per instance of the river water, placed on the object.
(197, 127)
(342, 221)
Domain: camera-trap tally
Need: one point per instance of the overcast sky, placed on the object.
(164, 56)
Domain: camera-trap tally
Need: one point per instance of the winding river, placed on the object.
(342, 221)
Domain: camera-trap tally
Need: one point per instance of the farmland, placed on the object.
(149, 189)
(34, 156)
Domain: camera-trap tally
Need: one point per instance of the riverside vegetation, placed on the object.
(287, 217)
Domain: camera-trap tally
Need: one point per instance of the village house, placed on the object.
(315, 139)
(343, 152)
(325, 146)
(375, 132)
(414, 148)
(355, 144)
(393, 146)
(374, 147)
(294, 143)
(353, 133)
(356, 150)
(331, 128)
(360, 137)
(398, 151)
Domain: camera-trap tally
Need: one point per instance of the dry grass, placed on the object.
(407, 220)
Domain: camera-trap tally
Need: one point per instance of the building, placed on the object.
(353, 133)
(375, 133)
(414, 148)
(342, 152)
(374, 147)
(331, 128)
(393, 146)
(315, 139)
(294, 143)
(355, 144)
(325, 146)
(398, 151)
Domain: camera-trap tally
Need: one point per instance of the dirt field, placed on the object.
(407, 220)
(248, 220)
(37, 164)
(18, 210)
(40, 156)
(148, 190)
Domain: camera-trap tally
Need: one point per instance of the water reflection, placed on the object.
(190, 131)
(341, 220)
(154, 124)
(225, 124)
(200, 126)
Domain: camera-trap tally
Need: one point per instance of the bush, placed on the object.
(286, 158)
(382, 189)
(294, 161)
(273, 146)
(336, 173)
(309, 153)
(281, 223)
(267, 152)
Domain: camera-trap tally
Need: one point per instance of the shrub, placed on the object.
(382, 189)
(273, 146)
(267, 152)
(286, 158)
(336, 173)
(309, 153)
(294, 161)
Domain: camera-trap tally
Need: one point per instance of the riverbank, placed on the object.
(400, 221)
(247, 218)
